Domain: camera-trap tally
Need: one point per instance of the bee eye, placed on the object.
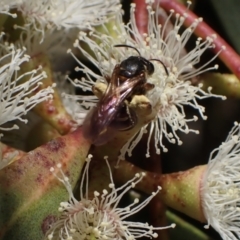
(150, 68)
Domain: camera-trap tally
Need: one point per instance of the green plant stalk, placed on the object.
(31, 194)
(180, 191)
(45, 133)
(53, 110)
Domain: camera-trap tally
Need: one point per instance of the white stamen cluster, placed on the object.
(51, 26)
(7, 5)
(74, 108)
(16, 87)
(173, 89)
(18, 90)
(221, 187)
(100, 217)
(66, 14)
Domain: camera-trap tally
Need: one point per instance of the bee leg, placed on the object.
(141, 105)
(99, 89)
(148, 86)
(125, 119)
(108, 79)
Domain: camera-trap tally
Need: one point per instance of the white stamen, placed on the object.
(221, 187)
(100, 217)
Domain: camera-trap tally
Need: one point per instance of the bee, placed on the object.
(112, 114)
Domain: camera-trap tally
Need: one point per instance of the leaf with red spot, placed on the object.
(31, 194)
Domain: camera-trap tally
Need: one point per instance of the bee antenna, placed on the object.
(128, 46)
(165, 68)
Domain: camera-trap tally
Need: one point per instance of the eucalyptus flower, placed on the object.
(45, 17)
(66, 89)
(100, 217)
(220, 195)
(57, 14)
(173, 70)
(48, 28)
(67, 14)
(18, 96)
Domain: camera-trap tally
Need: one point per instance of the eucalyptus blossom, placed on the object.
(220, 194)
(173, 70)
(100, 217)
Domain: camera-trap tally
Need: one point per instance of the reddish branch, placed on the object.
(230, 58)
(141, 16)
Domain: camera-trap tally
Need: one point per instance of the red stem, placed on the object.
(141, 16)
(228, 56)
(156, 207)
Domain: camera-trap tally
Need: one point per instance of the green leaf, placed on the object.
(229, 17)
(184, 230)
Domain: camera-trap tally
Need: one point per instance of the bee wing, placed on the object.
(96, 126)
(94, 130)
(117, 92)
